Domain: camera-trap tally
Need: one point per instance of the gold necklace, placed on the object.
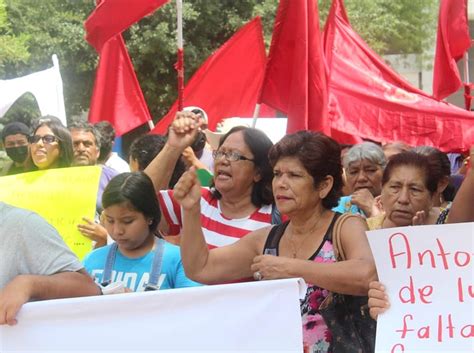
(290, 239)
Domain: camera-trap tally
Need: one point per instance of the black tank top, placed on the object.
(274, 237)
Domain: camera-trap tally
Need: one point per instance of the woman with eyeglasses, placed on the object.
(240, 198)
(307, 182)
(51, 145)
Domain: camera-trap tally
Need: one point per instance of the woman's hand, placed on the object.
(94, 231)
(184, 129)
(187, 190)
(420, 218)
(364, 199)
(271, 267)
(378, 300)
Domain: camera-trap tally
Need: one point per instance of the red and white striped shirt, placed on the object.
(218, 230)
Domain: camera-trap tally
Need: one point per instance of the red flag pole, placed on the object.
(180, 62)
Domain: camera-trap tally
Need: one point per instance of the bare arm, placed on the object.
(348, 277)
(24, 288)
(217, 265)
(181, 134)
(462, 209)
(192, 160)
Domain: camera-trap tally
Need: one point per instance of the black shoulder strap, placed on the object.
(329, 232)
(273, 239)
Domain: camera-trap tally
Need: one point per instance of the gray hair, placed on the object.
(87, 127)
(365, 150)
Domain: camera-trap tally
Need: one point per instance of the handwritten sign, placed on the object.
(62, 196)
(428, 272)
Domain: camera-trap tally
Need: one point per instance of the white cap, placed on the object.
(201, 111)
(222, 128)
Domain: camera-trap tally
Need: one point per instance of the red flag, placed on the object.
(368, 99)
(117, 96)
(452, 42)
(228, 82)
(295, 79)
(112, 17)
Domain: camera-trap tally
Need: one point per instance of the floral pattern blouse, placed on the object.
(316, 335)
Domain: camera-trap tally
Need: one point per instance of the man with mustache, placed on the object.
(86, 144)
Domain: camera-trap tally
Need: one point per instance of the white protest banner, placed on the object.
(245, 317)
(428, 272)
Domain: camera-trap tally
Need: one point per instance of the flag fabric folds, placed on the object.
(46, 86)
(112, 17)
(295, 78)
(452, 42)
(117, 96)
(368, 99)
(228, 82)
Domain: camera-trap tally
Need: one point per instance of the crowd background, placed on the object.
(246, 209)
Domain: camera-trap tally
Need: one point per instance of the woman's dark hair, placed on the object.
(107, 138)
(259, 144)
(438, 156)
(66, 152)
(137, 190)
(145, 148)
(320, 156)
(445, 165)
(428, 164)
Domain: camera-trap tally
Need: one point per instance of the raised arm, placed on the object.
(181, 135)
(25, 288)
(217, 265)
(462, 210)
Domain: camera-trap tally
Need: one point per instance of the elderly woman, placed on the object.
(307, 183)
(240, 200)
(404, 188)
(410, 186)
(363, 166)
(51, 145)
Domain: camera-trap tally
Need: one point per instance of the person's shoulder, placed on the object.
(117, 163)
(352, 221)
(13, 214)
(376, 222)
(98, 253)
(6, 168)
(172, 250)
(344, 204)
(108, 172)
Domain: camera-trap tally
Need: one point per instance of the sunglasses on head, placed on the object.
(47, 139)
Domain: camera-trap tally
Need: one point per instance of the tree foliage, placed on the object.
(392, 27)
(31, 31)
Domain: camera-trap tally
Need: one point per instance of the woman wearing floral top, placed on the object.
(307, 183)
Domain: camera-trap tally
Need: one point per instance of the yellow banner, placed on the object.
(62, 196)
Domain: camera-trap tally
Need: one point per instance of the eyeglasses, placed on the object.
(47, 139)
(231, 156)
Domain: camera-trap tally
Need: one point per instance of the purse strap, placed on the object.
(336, 236)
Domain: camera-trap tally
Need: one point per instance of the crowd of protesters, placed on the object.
(270, 212)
